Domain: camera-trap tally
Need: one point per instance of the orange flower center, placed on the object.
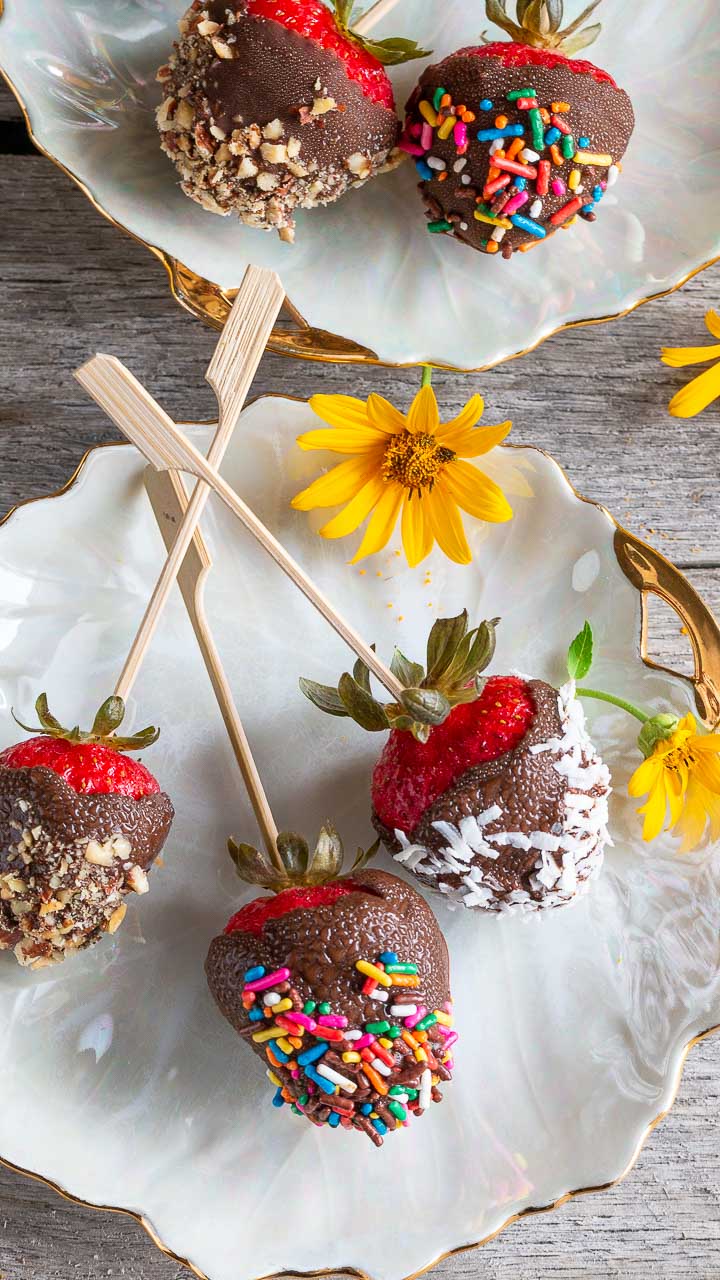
(414, 460)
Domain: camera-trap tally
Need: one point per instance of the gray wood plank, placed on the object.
(596, 398)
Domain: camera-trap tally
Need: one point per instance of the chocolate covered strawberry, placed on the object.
(341, 987)
(488, 790)
(513, 141)
(80, 824)
(277, 105)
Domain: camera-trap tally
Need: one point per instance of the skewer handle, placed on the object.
(374, 15)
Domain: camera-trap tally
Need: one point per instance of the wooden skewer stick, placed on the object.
(374, 15)
(166, 448)
(230, 373)
(170, 502)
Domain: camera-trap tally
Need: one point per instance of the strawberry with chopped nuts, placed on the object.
(80, 825)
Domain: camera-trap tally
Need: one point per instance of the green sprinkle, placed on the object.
(399, 1112)
(394, 1032)
(538, 129)
(568, 146)
(396, 1090)
(521, 93)
(324, 1008)
(309, 1006)
(438, 95)
(428, 1021)
(411, 1093)
(441, 225)
(377, 1028)
(401, 968)
(297, 1110)
(303, 1099)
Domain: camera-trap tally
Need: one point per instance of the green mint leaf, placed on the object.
(580, 654)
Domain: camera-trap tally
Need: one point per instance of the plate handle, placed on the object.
(652, 574)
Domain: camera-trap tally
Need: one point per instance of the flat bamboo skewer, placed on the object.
(230, 374)
(170, 503)
(374, 15)
(160, 440)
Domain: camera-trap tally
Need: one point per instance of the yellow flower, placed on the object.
(409, 466)
(701, 392)
(682, 782)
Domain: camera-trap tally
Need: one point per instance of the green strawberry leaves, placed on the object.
(108, 718)
(390, 52)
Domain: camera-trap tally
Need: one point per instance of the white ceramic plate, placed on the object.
(135, 1093)
(365, 268)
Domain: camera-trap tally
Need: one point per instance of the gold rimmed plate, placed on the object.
(365, 280)
(573, 1027)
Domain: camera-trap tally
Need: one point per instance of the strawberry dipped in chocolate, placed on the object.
(81, 823)
(514, 140)
(276, 105)
(488, 790)
(340, 985)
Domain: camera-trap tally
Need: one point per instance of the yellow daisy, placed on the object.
(701, 392)
(681, 779)
(410, 467)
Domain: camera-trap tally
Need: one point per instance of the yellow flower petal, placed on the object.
(446, 523)
(339, 485)
(691, 824)
(344, 440)
(645, 776)
(423, 413)
(712, 322)
(384, 416)
(471, 444)
(697, 395)
(471, 413)
(417, 535)
(381, 523)
(352, 516)
(654, 811)
(707, 742)
(707, 771)
(679, 357)
(475, 492)
(675, 789)
(340, 411)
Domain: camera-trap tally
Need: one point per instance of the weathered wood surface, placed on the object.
(596, 398)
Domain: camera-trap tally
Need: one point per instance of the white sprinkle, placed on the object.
(436, 163)
(382, 1067)
(460, 164)
(379, 994)
(466, 179)
(496, 145)
(463, 226)
(536, 208)
(335, 1078)
(528, 155)
(613, 174)
(403, 1010)
(425, 1097)
(353, 1035)
(272, 997)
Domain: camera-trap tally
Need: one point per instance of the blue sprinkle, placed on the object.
(312, 1055)
(319, 1080)
(380, 1126)
(256, 1015)
(583, 142)
(333, 1119)
(390, 957)
(365, 1109)
(486, 105)
(552, 136)
(588, 208)
(520, 183)
(527, 224)
(279, 1053)
(598, 193)
(278, 1100)
(252, 975)
(510, 131)
(424, 170)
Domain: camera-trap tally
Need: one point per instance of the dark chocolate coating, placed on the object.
(53, 897)
(599, 111)
(321, 947)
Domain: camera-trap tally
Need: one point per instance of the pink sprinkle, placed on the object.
(559, 187)
(414, 130)
(460, 134)
(363, 1042)
(447, 1006)
(426, 136)
(451, 1039)
(295, 1073)
(603, 184)
(416, 1017)
(444, 1031)
(332, 1020)
(270, 980)
(412, 148)
(301, 1020)
(449, 1064)
(515, 203)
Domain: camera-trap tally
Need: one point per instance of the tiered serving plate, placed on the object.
(574, 1025)
(365, 280)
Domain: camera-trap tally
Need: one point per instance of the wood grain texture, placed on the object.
(70, 284)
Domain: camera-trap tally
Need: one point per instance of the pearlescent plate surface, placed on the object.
(134, 1091)
(366, 269)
